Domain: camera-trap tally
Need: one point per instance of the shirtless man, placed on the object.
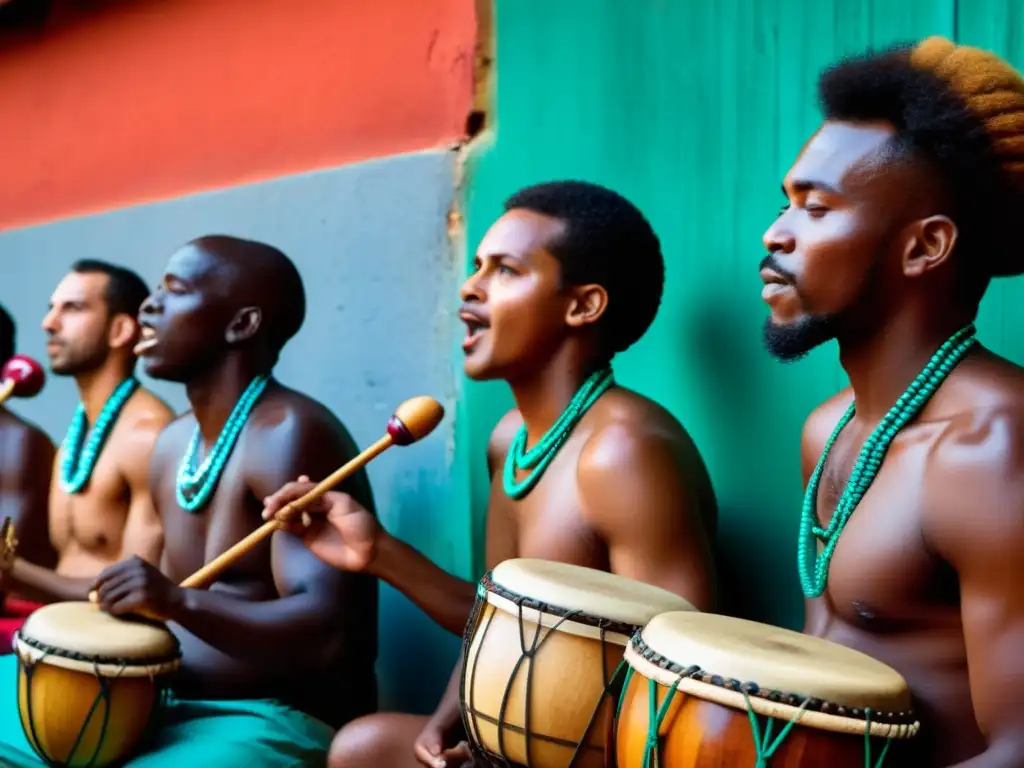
(100, 509)
(26, 456)
(279, 651)
(902, 207)
(569, 276)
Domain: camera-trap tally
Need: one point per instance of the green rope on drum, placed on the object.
(33, 737)
(103, 693)
(867, 743)
(655, 717)
(761, 748)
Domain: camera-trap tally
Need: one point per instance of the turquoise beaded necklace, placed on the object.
(78, 462)
(196, 486)
(814, 566)
(540, 456)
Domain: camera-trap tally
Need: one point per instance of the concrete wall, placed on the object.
(326, 128)
(381, 302)
(116, 102)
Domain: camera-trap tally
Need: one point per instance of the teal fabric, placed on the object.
(250, 734)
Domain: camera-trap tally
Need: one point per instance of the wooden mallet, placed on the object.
(413, 420)
(21, 376)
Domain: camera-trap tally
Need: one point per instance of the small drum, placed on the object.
(709, 690)
(543, 658)
(89, 684)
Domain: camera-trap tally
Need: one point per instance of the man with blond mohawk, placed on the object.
(902, 208)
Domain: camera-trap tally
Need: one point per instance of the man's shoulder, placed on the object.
(823, 419)
(17, 428)
(980, 451)
(637, 454)
(284, 413)
(502, 435)
(289, 434)
(626, 429)
(289, 425)
(974, 485)
(24, 441)
(145, 413)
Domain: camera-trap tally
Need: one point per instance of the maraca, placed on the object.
(22, 377)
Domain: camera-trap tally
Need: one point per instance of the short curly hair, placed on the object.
(608, 241)
(962, 110)
(8, 333)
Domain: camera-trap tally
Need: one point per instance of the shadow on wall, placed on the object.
(754, 544)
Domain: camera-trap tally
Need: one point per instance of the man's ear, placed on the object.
(929, 244)
(588, 303)
(123, 331)
(244, 325)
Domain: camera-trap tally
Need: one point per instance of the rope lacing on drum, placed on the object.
(764, 752)
(527, 653)
(761, 748)
(867, 742)
(655, 715)
(102, 695)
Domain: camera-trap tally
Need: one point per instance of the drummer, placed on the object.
(568, 277)
(100, 509)
(271, 667)
(901, 208)
(26, 456)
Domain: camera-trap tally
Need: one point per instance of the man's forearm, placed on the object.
(449, 709)
(445, 598)
(45, 586)
(258, 630)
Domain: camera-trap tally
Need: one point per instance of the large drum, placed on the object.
(543, 658)
(89, 684)
(708, 690)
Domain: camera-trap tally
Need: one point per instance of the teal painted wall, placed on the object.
(695, 109)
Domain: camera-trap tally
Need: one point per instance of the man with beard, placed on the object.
(100, 510)
(26, 458)
(583, 470)
(901, 210)
(279, 651)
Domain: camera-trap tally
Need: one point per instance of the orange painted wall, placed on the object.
(149, 99)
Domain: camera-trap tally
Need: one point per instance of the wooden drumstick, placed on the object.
(413, 420)
(22, 377)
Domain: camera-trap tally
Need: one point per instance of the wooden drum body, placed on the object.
(542, 658)
(89, 684)
(727, 692)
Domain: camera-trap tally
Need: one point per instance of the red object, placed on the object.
(15, 612)
(26, 373)
(400, 433)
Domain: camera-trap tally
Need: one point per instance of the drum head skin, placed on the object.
(589, 591)
(81, 637)
(775, 659)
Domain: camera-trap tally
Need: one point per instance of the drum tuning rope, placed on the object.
(528, 652)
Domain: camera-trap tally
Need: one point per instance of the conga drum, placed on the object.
(709, 690)
(90, 684)
(543, 654)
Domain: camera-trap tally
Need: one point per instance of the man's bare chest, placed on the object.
(883, 575)
(94, 517)
(549, 523)
(194, 537)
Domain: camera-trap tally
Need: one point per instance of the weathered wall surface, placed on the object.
(325, 128)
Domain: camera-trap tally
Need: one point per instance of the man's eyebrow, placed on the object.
(808, 184)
